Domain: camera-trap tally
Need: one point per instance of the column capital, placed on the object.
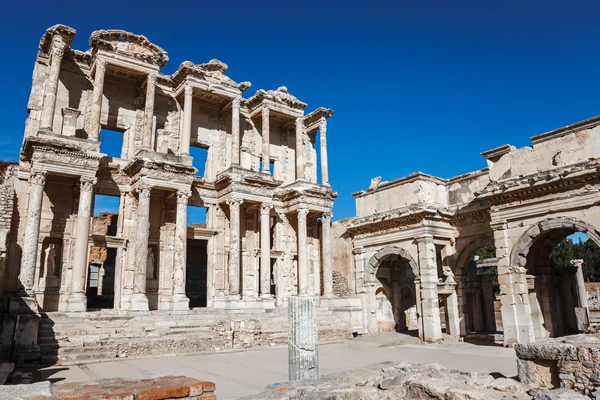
(265, 112)
(58, 50)
(234, 202)
(183, 196)
(265, 208)
(302, 213)
(358, 250)
(323, 124)
(100, 65)
(327, 215)
(424, 238)
(144, 191)
(235, 103)
(577, 263)
(87, 184)
(499, 225)
(152, 78)
(38, 178)
(189, 90)
(299, 121)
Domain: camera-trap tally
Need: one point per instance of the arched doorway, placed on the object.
(556, 307)
(395, 294)
(478, 290)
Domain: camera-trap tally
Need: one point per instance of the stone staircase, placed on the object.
(106, 334)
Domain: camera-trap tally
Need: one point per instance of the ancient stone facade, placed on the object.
(414, 240)
(267, 232)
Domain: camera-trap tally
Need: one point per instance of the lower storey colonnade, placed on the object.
(246, 255)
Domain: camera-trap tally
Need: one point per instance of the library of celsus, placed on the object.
(87, 283)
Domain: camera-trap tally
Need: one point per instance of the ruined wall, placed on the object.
(412, 190)
(7, 203)
(343, 260)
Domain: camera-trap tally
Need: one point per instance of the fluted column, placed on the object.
(299, 148)
(327, 260)
(139, 301)
(56, 55)
(32, 231)
(234, 246)
(77, 300)
(302, 253)
(184, 145)
(235, 131)
(149, 111)
(265, 249)
(266, 156)
(180, 300)
(303, 345)
(96, 111)
(323, 140)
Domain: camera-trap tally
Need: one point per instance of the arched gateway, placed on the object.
(522, 205)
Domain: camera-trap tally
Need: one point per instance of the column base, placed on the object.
(77, 302)
(267, 296)
(181, 303)
(139, 302)
(23, 304)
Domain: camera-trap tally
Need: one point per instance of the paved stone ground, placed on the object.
(244, 373)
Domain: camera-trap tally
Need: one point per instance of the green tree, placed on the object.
(568, 250)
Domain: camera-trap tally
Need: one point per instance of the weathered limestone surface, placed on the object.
(303, 350)
(570, 362)
(399, 381)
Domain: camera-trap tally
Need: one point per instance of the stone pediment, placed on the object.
(212, 72)
(275, 98)
(128, 44)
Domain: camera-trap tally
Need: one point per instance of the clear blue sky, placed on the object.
(416, 86)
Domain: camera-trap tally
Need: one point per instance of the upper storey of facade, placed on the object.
(565, 156)
(117, 85)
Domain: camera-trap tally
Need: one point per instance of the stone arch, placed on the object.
(467, 252)
(376, 260)
(567, 224)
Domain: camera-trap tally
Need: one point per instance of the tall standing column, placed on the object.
(234, 246)
(139, 300)
(32, 231)
(184, 145)
(299, 148)
(180, 300)
(302, 253)
(327, 257)
(77, 300)
(580, 281)
(96, 112)
(235, 131)
(323, 140)
(266, 156)
(149, 111)
(56, 55)
(265, 250)
(430, 306)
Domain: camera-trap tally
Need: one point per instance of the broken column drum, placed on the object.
(303, 351)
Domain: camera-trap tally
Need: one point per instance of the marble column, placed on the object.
(96, 112)
(303, 346)
(139, 300)
(302, 253)
(235, 131)
(56, 55)
(32, 232)
(299, 148)
(234, 246)
(265, 250)
(266, 155)
(149, 111)
(452, 315)
(323, 141)
(580, 282)
(184, 145)
(327, 256)
(77, 300)
(430, 307)
(180, 300)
